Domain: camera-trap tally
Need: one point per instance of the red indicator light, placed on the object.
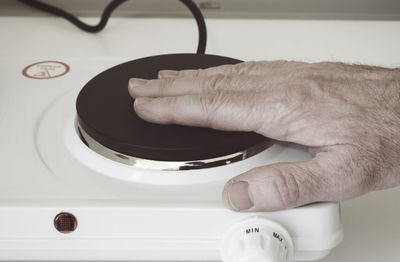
(65, 222)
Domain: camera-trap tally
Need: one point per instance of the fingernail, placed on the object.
(239, 196)
(135, 85)
(168, 74)
(137, 82)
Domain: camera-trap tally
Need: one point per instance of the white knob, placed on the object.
(256, 239)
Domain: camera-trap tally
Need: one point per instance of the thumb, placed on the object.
(278, 186)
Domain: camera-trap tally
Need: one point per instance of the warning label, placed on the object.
(46, 70)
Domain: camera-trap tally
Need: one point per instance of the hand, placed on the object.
(348, 116)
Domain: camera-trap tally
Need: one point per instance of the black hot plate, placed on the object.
(106, 115)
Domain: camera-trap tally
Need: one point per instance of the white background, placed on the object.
(372, 231)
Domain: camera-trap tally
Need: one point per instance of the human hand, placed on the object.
(348, 116)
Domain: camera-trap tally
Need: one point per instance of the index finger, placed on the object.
(244, 68)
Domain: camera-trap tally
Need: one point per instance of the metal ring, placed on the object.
(169, 165)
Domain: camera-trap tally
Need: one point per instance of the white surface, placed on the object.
(371, 222)
(347, 41)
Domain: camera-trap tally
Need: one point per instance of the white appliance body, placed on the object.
(123, 213)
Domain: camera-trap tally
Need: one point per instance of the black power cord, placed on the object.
(194, 9)
(201, 25)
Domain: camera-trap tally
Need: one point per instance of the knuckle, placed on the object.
(298, 95)
(205, 102)
(321, 70)
(286, 186)
(195, 72)
(244, 67)
(210, 104)
(214, 83)
(171, 103)
(222, 69)
(190, 73)
(277, 63)
(163, 85)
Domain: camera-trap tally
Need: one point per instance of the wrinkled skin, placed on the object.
(347, 115)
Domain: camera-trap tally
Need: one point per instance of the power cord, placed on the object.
(194, 9)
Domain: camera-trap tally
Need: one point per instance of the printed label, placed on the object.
(46, 70)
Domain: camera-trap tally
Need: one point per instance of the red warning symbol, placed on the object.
(46, 70)
(42, 74)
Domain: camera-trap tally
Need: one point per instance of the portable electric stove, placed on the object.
(84, 178)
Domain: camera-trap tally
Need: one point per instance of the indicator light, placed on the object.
(65, 222)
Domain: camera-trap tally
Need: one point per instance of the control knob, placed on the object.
(257, 239)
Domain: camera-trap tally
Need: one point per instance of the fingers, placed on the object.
(187, 86)
(270, 114)
(331, 176)
(224, 111)
(244, 68)
(246, 76)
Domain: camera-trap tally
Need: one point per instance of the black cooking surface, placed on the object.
(105, 112)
